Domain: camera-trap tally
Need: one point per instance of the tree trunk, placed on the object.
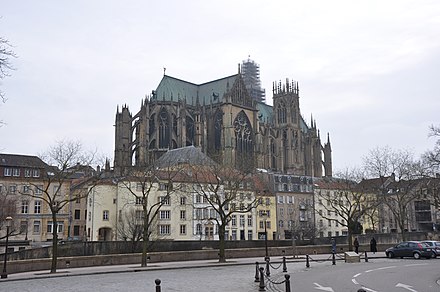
(145, 239)
(53, 268)
(221, 236)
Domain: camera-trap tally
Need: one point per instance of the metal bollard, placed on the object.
(257, 272)
(366, 257)
(333, 259)
(267, 267)
(307, 261)
(284, 265)
(262, 285)
(287, 277)
(157, 281)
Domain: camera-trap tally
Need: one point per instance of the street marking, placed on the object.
(368, 289)
(407, 287)
(357, 275)
(319, 287)
(354, 281)
(414, 265)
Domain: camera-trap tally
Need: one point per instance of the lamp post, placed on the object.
(4, 274)
(264, 215)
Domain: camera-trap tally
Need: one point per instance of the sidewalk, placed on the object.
(169, 266)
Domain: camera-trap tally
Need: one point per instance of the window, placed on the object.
(329, 234)
(37, 207)
(24, 207)
(267, 201)
(26, 189)
(242, 220)
(164, 200)
(27, 172)
(182, 200)
(36, 229)
(250, 235)
(164, 229)
(90, 216)
(234, 220)
(249, 220)
(16, 172)
(164, 214)
(23, 226)
(7, 172)
(139, 200)
(290, 200)
(76, 230)
(182, 214)
(234, 234)
(183, 229)
(281, 223)
(105, 215)
(261, 224)
(36, 173)
(39, 189)
(329, 223)
(77, 215)
(268, 224)
(337, 233)
(199, 228)
(329, 213)
(281, 199)
(12, 189)
(138, 187)
(60, 227)
(281, 212)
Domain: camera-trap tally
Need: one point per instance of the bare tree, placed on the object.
(5, 66)
(432, 157)
(59, 184)
(151, 189)
(347, 200)
(130, 227)
(221, 187)
(399, 195)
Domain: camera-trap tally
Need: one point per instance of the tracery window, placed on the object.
(164, 128)
(282, 113)
(189, 131)
(243, 141)
(218, 125)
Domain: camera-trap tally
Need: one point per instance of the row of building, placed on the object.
(286, 206)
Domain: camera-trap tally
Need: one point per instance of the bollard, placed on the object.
(267, 267)
(362, 290)
(287, 277)
(284, 265)
(257, 272)
(333, 259)
(366, 257)
(157, 281)
(307, 261)
(262, 286)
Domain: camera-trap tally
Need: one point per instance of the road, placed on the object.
(378, 275)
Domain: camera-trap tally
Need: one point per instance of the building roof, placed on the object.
(174, 89)
(331, 183)
(184, 155)
(17, 160)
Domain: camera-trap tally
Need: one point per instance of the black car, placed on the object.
(414, 249)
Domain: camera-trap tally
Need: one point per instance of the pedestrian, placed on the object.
(356, 245)
(373, 245)
(333, 241)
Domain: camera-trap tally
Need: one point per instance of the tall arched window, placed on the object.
(189, 131)
(285, 148)
(164, 128)
(244, 142)
(273, 158)
(281, 113)
(218, 127)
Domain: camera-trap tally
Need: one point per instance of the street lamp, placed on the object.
(8, 224)
(264, 215)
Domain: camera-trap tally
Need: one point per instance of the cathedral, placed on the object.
(226, 120)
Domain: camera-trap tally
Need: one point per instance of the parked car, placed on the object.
(414, 249)
(435, 246)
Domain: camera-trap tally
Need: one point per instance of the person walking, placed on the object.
(373, 245)
(356, 245)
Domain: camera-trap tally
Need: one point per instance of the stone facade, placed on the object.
(225, 122)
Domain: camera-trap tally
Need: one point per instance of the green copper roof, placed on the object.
(173, 89)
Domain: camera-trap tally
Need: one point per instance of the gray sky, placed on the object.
(368, 71)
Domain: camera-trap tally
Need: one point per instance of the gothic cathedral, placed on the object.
(227, 123)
